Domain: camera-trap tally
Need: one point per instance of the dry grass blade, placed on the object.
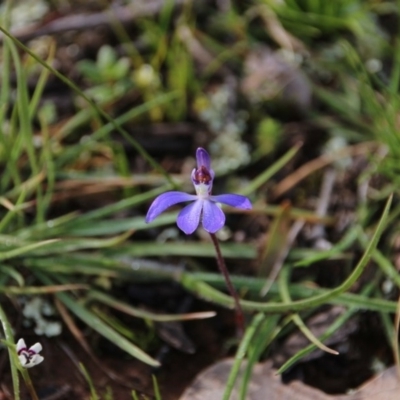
(78, 335)
(314, 165)
(135, 312)
(291, 237)
(76, 332)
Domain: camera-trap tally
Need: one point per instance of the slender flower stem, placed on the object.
(29, 384)
(224, 271)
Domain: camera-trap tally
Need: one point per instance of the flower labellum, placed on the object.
(29, 357)
(204, 207)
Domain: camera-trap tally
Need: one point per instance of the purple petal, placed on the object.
(234, 200)
(166, 200)
(203, 159)
(189, 218)
(213, 217)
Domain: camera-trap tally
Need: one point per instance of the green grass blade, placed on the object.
(295, 317)
(267, 331)
(253, 285)
(99, 326)
(211, 294)
(99, 111)
(241, 352)
(347, 240)
(267, 174)
(6, 255)
(11, 353)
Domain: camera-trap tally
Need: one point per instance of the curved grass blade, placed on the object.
(347, 240)
(295, 317)
(253, 285)
(12, 210)
(13, 273)
(135, 312)
(211, 294)
(6, 255)
(329, 332)
(71, 245)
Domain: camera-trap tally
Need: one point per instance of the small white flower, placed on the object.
(29, 357)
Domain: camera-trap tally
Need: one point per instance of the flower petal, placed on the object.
(203, 159)
(21, 345)
(233, 200)
(166, 200)
(189, 218)
(213, 217)
(29, 362)
(36, 359)
(23, 360)
(37, 348)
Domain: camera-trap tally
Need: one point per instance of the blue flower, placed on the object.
(204, 207)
